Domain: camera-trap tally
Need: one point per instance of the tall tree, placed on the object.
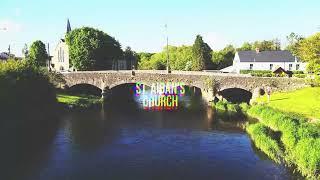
(246, 46)
(201, 54)
(38, 53)
(265, 45)
(223, 58)
(308, 50)
(92, 49)
(276, 44)
(130, 57)
(293, 40)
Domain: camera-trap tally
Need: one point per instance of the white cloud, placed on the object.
(8, 25)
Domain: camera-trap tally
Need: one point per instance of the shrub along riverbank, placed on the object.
(79, 101)
(287, 138)
(25, 90)
(298, 143)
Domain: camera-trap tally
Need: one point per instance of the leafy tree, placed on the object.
(293, 42)
(308, 50)
(201, 54)
(131, 57)
(92, 49)
(223, 58)
(269, 45)
(246, 46)
(37, 54)
(144, 60)
(179, 56)
(277, 44)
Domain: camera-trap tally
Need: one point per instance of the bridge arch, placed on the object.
(84, 88)
(235, 95)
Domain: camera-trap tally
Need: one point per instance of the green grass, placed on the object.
(305, 102)
(300, 139)
(78, 101)
(260, 134)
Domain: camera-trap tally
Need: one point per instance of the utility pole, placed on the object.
(168, 68)
(9, 49)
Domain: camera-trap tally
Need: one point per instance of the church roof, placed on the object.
(68, 26)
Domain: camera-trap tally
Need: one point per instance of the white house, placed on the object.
(265, 60)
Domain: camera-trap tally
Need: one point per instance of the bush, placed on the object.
(298, 138)
(314, 82)
(24, 89)
(220, 105)
(244, 107)
(297, 72)
(258, 73)
(260, 134)
(307, 157)
(233, 108)
(300, 75)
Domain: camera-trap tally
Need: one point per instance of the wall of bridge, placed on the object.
(109, 79)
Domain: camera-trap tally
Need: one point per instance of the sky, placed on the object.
(140, 24)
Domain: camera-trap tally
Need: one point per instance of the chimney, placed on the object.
(257, 50)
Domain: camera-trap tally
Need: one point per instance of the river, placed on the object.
(121, 142)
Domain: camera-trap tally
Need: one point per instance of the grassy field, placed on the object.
(305, 102)
(82, 101)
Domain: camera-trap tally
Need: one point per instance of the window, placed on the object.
(290, 67)
(62, 56)
(251, 66)
(271, 66)
(297, 67)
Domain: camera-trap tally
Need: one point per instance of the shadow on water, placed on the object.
(25, 141)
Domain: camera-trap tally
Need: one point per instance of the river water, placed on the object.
(130, 143)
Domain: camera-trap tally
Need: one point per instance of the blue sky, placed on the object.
(140, 23)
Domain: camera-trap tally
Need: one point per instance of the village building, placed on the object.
(60, 61)
(265, 60)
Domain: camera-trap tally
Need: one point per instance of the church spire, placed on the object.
(68, 26)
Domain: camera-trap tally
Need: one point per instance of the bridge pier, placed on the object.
(257, 92)
(208, 95)
(105, 93)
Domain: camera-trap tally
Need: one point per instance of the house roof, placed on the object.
(266, 56)
(279, 70)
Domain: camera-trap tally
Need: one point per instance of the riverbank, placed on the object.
(78, 101)
(305, 102)
(286, 138)
(283, 131)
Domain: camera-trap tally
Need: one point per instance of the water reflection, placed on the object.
(122, 141)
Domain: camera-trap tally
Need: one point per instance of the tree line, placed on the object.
(92, 49)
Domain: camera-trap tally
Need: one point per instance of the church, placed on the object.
(60, 61)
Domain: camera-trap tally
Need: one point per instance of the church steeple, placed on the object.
(68, 26)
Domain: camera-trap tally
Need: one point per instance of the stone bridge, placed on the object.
(106, 80)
